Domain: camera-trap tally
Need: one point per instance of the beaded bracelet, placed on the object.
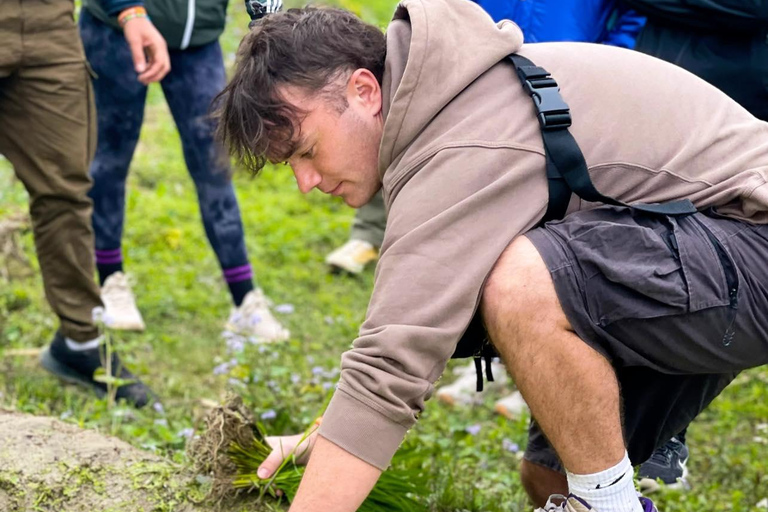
(131, 13)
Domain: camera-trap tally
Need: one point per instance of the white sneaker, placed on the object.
(353, 256)
(253, 318)
(463, 391)
(120, 311)
(512, 406)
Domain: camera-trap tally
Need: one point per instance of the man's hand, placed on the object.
(284, 447)
(148, 49)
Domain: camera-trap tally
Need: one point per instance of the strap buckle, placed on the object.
(553, 113)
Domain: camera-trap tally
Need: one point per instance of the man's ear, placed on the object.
(363, 89)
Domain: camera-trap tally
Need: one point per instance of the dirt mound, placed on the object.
(46, 464)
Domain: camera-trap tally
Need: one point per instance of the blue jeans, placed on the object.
(196, 76)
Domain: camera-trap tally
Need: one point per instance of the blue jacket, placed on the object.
(591, 21)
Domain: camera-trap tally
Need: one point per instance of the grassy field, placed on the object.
(469, 455)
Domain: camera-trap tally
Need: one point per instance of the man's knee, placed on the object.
(519, 291)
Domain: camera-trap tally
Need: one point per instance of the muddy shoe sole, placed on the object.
(67, 374)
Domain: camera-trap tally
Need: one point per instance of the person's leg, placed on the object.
(46, 131)
(370, 221)
(365, 238)
(120, 101)
(196, 76)
(571, 389)
(669, 299)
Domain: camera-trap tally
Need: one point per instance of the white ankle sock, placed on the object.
(612, 490)
(78, 346)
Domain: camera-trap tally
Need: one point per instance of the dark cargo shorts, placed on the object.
(679, 305)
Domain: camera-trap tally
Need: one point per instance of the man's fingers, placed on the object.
(280, 450)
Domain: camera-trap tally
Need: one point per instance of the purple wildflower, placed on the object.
(269, 414)
(221, 369)
(318, 370)
(473, 430)
(510, 446)
(158, 407)
(186, 432)
(286, 309)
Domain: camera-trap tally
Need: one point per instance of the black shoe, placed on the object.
(78, 367)
(666, 466)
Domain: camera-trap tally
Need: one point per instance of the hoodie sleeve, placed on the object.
(445, 230)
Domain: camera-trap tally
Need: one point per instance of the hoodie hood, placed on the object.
(422, 77)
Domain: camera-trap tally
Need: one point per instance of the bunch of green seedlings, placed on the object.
(396, 490)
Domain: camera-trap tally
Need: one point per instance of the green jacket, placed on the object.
(183, 23)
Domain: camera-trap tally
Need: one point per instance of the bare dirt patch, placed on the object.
(46, 464)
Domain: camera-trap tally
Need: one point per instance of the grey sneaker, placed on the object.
(572, 503)
(667, 466)
(78, 367)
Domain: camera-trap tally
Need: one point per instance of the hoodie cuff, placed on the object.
(362, 431)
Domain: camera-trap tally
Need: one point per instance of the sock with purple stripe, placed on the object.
(108, 261)
(240, 282)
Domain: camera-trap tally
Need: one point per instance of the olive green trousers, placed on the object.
(47, 123)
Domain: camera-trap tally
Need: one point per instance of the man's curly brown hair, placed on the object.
(309, 48)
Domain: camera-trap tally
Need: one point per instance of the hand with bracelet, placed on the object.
(148, 48)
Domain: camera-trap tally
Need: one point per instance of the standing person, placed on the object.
(197, 74)
(722, 42)
(46, 131)
(618, 323)
(592, 21)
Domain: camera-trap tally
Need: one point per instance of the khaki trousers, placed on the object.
(47, 132)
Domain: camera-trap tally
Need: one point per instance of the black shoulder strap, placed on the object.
(566, 168)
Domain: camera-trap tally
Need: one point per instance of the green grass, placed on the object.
(185, 302)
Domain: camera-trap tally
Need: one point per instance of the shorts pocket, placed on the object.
(636, 265)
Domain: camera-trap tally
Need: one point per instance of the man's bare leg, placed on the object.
(571, 388)
(541, 482)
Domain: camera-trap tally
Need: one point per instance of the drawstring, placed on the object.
(479, 370)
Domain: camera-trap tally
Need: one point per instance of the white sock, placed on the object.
(78, 346)
(612, 490)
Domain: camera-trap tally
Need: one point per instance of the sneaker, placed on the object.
(463, 391)
(78, 367)
(352, 257)
(253, 318)
(667, 466)
(120, 305)
(511, 406)
(560, 503)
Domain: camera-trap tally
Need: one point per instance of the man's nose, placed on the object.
(306, 177)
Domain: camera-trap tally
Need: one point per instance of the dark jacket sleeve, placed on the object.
(719, 15)
(115, 7)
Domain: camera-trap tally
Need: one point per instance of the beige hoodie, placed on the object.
(462, 164)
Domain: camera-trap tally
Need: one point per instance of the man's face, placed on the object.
(338, 152)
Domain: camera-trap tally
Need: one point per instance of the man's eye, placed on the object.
(308, 154)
